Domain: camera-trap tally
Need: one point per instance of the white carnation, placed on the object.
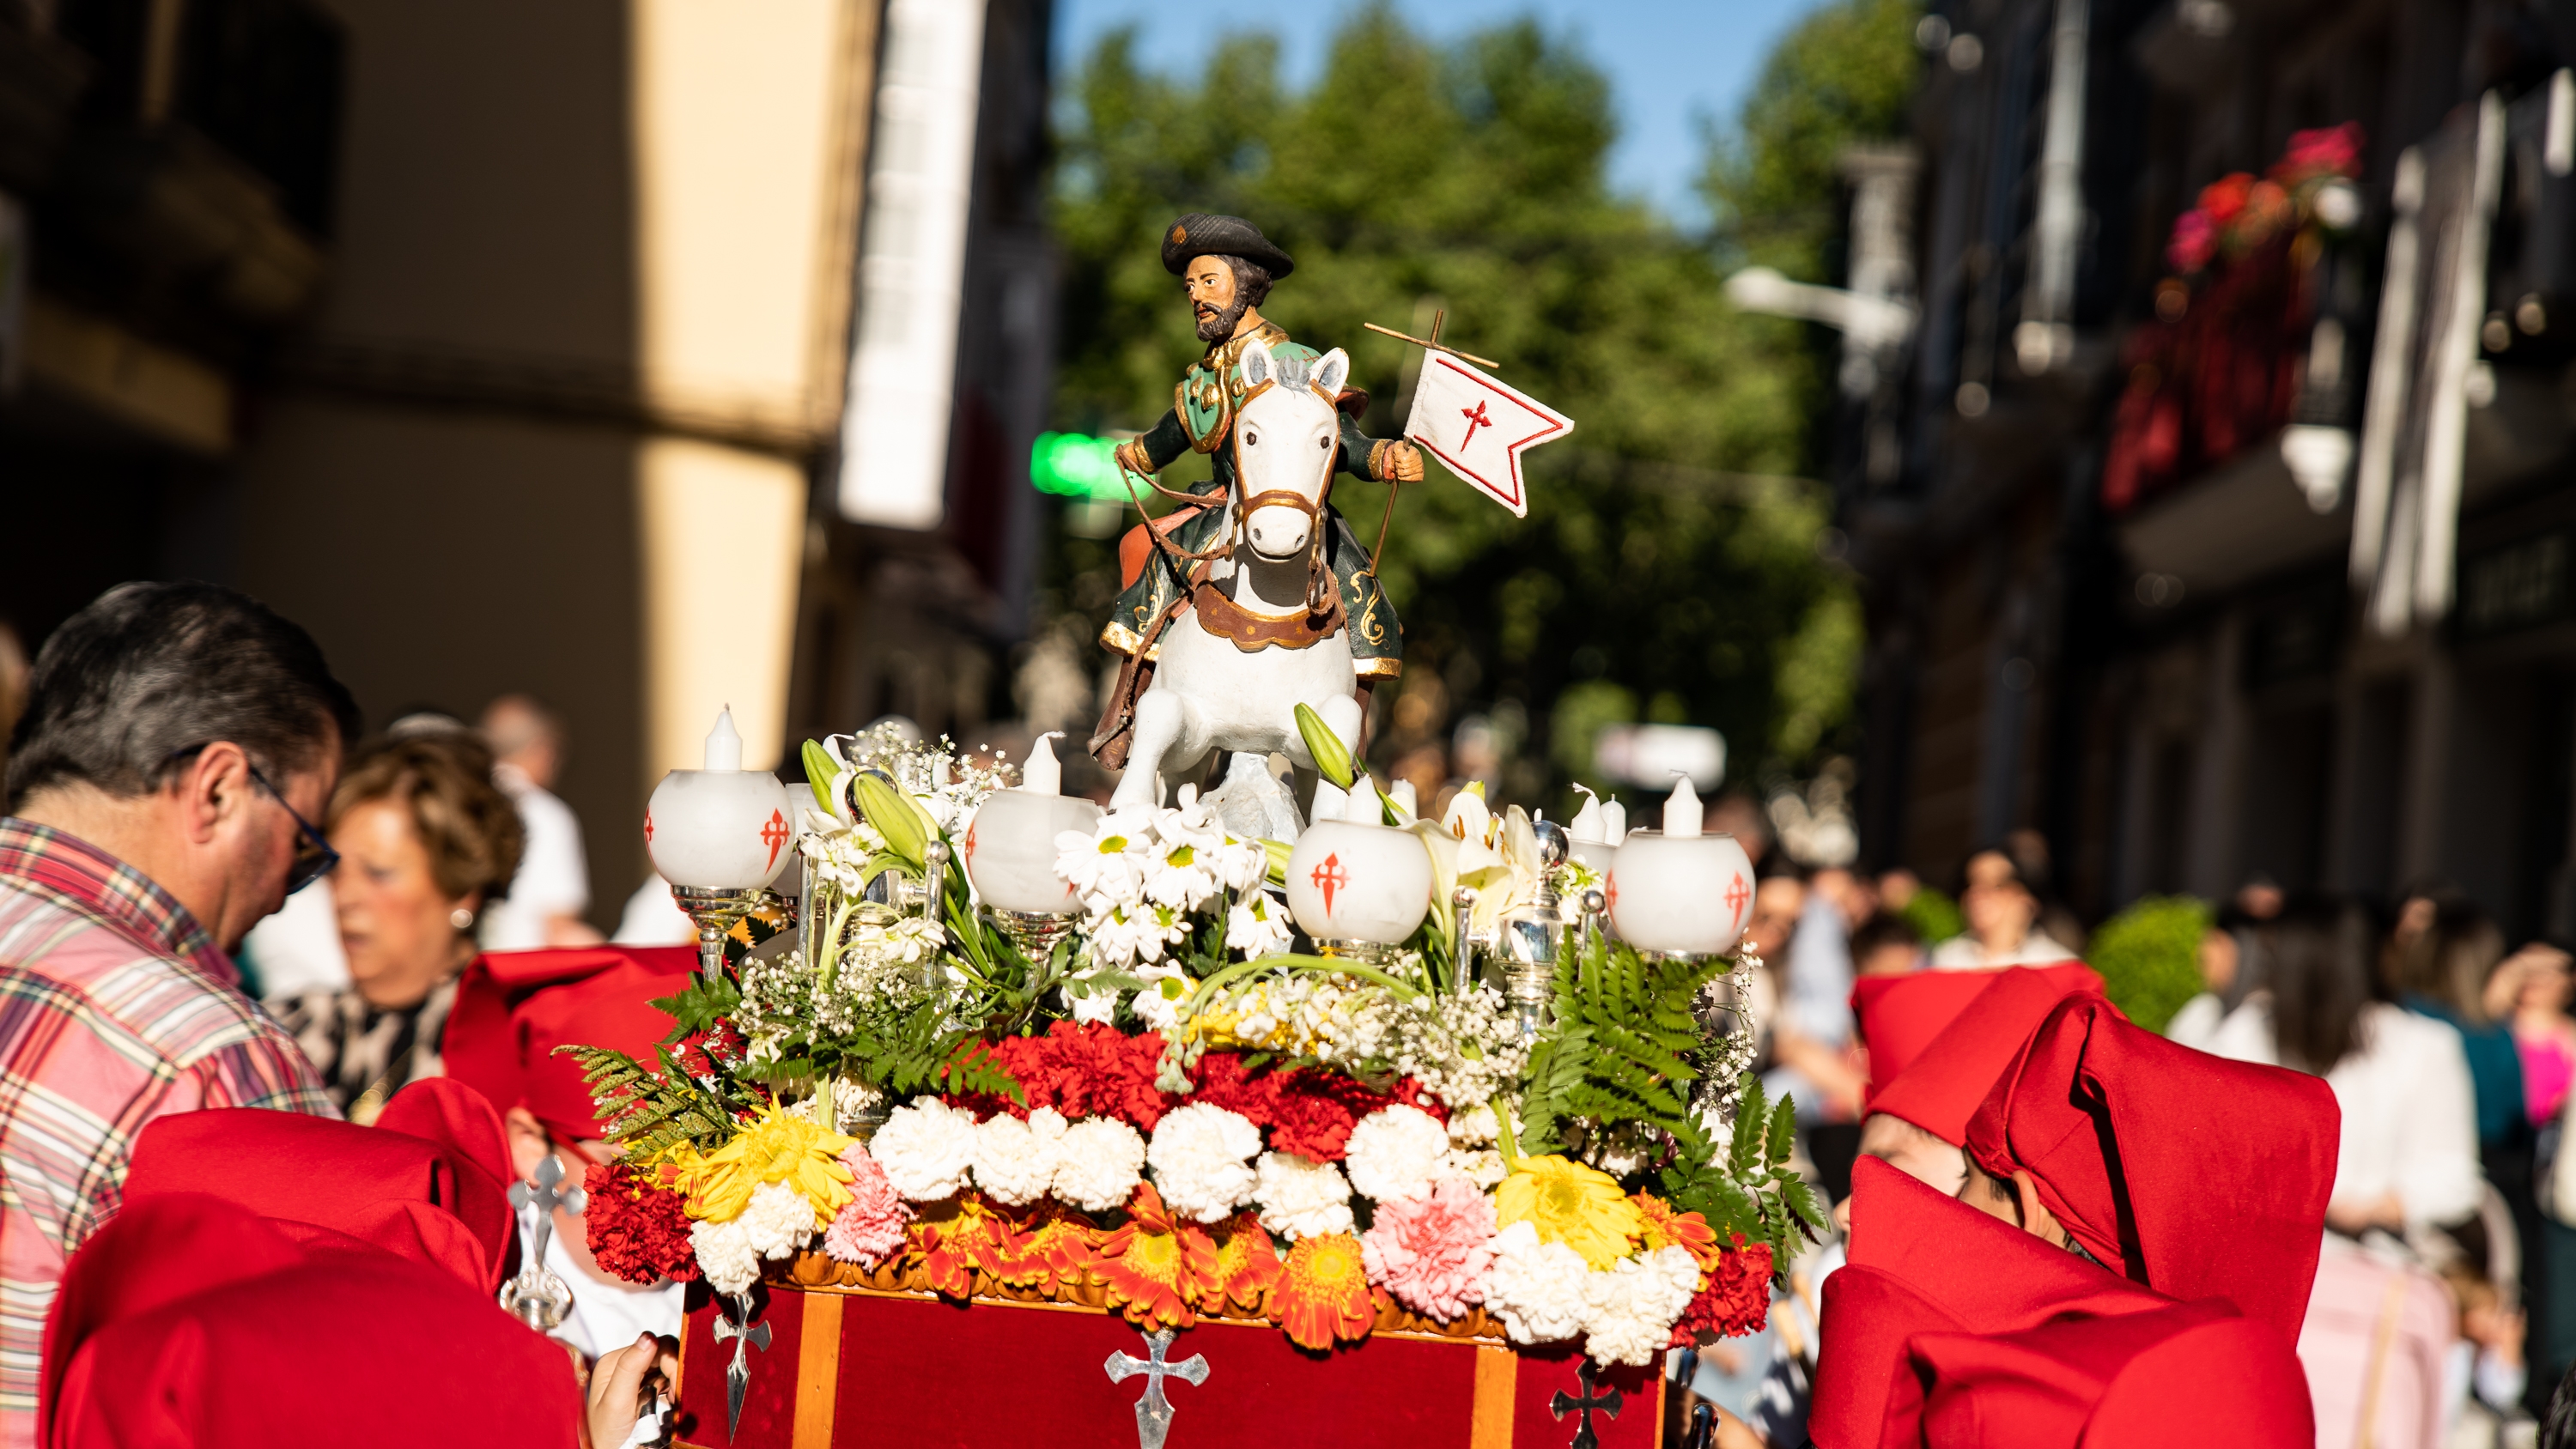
(1397, 1152)
(1015, 1161)
(724, 1255)
(927, 1148)
(1199, 1154)
(1300, 1198)
(1629, 1310)
(777, 1220)
(1537, 1289)
(1099, 1163)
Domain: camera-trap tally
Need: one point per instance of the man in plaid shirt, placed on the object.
(176, 742)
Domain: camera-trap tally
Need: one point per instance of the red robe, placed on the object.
(513, 1008)
(1951, 1328)
(1943, 1074)
(193, 1321)
(2195, 1176)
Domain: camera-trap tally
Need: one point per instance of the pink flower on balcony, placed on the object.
(2195, 241)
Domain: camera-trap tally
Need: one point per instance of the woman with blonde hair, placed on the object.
(426, 841)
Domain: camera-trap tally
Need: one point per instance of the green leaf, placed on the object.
(1784, 1132)
(1332, 757)
(1802, 1201)
(1745, 1153)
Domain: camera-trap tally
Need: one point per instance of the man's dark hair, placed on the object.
(1882, 930)
(1251, 281)
(149, 672)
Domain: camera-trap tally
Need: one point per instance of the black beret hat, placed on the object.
(1199, 234)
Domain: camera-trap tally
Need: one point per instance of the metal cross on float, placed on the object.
(538, 1297)
(738, 1373)
(1154, 1412)
(1608, 1400)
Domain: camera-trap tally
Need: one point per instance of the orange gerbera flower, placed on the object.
(1247, 1266)
(1665, 1227)
(1152, 1266)
(1323, 1292)
(955, 1239)
(1053, 1244)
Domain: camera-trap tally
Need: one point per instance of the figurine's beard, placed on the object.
(1222, 325)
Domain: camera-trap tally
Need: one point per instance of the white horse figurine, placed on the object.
(1209, 693)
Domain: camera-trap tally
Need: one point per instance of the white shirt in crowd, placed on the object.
(1964, 952)
(652, 918)
(2410, 1121)
(552, 880)
(298, 949)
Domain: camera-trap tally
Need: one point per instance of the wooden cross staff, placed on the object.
(1433, 341)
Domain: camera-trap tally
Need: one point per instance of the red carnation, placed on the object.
(637, 1228)
(1081, 1071)
(1222, 1081)
(1736, 1299)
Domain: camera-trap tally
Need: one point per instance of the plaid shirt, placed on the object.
(115, 1009)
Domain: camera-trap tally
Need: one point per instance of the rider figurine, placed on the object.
(1227, 266)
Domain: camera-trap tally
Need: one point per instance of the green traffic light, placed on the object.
(1076, 465)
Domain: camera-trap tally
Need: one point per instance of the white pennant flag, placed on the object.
(1479, 427)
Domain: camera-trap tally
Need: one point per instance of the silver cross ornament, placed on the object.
(1154, 1412)
(745, 1335)
(537, 1297)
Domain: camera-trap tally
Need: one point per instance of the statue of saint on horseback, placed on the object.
(1253, 596)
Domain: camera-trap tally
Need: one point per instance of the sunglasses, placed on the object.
(314, 857)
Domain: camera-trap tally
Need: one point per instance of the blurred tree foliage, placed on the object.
(1774, 183)
(1670, 553)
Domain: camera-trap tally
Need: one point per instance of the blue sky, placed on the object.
(1669, 61)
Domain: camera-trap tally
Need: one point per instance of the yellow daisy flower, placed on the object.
(1570, 1203)
(775, 1147)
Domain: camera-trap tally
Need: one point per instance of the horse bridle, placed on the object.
(1320, 586)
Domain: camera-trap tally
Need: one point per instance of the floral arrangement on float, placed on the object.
(2226, 359)
(1402, 1073)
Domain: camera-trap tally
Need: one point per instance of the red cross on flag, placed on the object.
(1479, 427)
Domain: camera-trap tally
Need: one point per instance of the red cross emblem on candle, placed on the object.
(1610, 894)
(648, 827)
(1737, 895)
(967, 846)
(1476, 418)
(774, 834)
(1330, 877)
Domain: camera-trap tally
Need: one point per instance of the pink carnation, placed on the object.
(870, 1229)
(1432, 1251)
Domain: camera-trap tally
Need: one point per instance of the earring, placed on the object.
(460, 918)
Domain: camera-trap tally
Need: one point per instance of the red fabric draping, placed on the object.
(191, 1321)
(2197, 1176)
(1901, 1016)
(1261, 1390)
(1939, 1088)
(513, 1008)
(1955, 1328)
(425, 1200)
